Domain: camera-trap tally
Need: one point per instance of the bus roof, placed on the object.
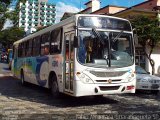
(62, 23)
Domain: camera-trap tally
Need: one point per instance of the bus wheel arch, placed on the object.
(53, 84)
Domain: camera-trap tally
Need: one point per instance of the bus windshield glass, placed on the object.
(103, 23)
(113, 49)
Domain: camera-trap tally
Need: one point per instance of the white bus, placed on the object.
(81, 56)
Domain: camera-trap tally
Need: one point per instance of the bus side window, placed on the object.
(42, 44)
(36, 46)
(45, 44)
(27, 48)
(30, 48)
(23, 49)
(56, 38)
(19, 51)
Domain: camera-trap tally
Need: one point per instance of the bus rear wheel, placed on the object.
(22, 78)
(54, 88)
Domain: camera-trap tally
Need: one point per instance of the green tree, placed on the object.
(10, 35)
(4, 4)
(148, 32)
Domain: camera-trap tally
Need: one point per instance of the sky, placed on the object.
(77, 5)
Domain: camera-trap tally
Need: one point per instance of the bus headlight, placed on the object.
(85, 79)
(130, 77)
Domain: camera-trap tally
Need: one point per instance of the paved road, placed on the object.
(33, 102)
(4, 69)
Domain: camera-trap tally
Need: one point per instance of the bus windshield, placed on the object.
(113, 49)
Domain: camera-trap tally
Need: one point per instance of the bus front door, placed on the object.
(69, 64)
(14, 61)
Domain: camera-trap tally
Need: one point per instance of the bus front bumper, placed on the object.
(82, 89)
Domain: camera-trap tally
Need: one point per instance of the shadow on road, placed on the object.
(145, 95)
(11, 87)
(6, 69)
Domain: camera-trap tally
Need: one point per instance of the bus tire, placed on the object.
(22, 78)
(54, 86)
(155, 92)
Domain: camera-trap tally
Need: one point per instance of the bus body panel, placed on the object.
(35, 69)
(56, 66)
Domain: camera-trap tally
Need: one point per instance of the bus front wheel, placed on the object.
(155, 92)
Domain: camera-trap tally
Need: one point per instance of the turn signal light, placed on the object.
(130, 87)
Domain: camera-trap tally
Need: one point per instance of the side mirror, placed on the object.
(76, 42)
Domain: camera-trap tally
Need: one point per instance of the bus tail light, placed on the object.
(130, 87)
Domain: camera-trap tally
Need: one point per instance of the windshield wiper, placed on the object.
(119, 34)
(98, 35)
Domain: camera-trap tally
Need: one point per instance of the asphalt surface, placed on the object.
(31, 102)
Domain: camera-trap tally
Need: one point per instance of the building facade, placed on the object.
(91, 6)
(36, 13)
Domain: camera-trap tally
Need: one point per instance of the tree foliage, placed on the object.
(3, 11)
(6, 14)
(148, 32)
(5, 1)
(8, 36)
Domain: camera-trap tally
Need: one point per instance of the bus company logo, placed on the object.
(109, 81)
(55, 63)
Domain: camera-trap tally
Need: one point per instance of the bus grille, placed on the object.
(105, 88)
(108, 74)
(106, 81)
